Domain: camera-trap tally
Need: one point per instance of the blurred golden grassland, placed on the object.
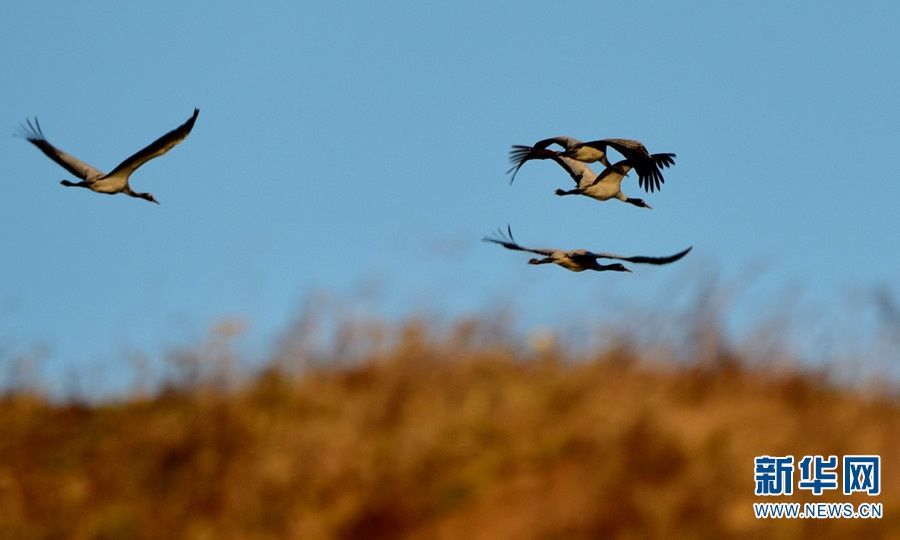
(465, 433)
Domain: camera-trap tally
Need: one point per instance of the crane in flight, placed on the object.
(115, 181)
(578, 260)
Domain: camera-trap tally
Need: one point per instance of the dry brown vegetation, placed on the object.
(456, 434)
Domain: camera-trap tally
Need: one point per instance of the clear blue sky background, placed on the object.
(340, 145)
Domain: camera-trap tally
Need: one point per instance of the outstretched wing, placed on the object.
(32, 133)
(507, 241)
(647, 166)
(649, 175)
(627, 147)
(642, 259)
(521, 153)
(157, 148)
(648, 169)
(664, 160)
(566, 142)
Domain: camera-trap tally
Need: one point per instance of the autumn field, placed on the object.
(461, 431)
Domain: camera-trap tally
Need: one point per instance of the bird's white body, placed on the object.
(605, 191)
(111, 185)
(602, 187)
(587, 154)
(609, 186)
(565, 259)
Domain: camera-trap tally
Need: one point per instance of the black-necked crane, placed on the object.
(646, 165)
(115, 181)
(602, 187)
(578, 260)
(521, 153)
(606, 185)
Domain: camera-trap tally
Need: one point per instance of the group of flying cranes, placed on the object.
(574, 157)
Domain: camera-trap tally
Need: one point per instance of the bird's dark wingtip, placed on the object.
(30, 131)
(680, 255)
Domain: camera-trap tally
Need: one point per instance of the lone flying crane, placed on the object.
(115, 181)
(578, 260)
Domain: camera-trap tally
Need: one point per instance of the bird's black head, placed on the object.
(534, 261)
(639, 202)
(614, 267)
(148, 197)
(67, 183)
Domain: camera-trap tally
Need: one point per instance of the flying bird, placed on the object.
(117, 180)
(606, 185)
(645, 164)
(602, 187)
(578, 260)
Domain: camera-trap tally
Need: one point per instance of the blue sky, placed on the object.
(341, 146)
